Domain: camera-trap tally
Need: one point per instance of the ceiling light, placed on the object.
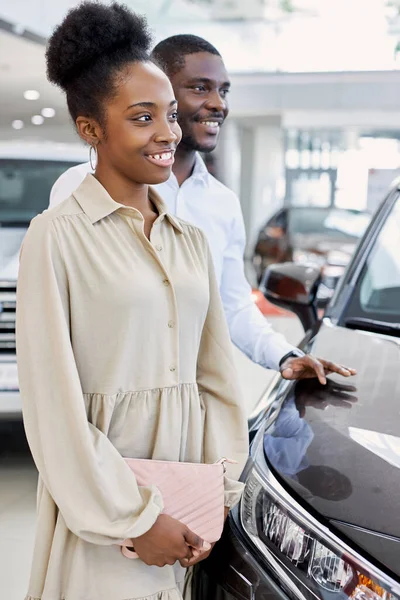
(48, 112)
(37, 120)
(17, 124)
(31, 95)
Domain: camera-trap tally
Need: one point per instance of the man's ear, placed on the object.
(89, 130)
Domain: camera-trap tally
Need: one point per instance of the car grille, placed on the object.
(8, 292)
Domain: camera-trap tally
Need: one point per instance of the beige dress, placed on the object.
(122, 351)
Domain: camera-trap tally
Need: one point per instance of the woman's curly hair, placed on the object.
(89, 48)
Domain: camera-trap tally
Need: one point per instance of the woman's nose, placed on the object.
(167, 134)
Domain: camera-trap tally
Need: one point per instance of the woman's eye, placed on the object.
(143, 118)
(174, 116)
(199, 88)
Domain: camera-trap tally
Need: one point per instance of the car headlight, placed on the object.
(305, 554)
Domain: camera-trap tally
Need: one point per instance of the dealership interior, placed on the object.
(311, 148)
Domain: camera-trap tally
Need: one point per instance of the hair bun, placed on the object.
(90, 31)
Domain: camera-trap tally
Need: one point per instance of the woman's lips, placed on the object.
(163, 159)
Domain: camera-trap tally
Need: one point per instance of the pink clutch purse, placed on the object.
(192, 493)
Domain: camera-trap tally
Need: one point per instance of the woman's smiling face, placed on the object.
(140, 131)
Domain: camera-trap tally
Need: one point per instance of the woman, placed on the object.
(123, 349)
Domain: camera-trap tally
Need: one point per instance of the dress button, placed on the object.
(166, 282)
(171, 324)
(159, 248)
(172, 369)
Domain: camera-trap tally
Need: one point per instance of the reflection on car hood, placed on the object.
(10, 244)
(342, 453)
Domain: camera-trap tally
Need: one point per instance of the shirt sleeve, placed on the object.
(225, 425)
(88, 479)
(249, 329)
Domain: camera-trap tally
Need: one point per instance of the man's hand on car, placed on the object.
(308, 366)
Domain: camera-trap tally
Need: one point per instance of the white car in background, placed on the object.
(27, 173)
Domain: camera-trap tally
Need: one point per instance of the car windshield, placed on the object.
(25, 188)
(377, 293)
(329, 223)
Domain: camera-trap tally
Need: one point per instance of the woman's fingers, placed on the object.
(195, 541)
(195, 559)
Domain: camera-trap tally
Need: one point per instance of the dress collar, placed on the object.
(97, 203)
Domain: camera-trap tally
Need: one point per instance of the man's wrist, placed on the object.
(295, 353)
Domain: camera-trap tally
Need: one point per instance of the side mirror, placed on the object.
(294, 287)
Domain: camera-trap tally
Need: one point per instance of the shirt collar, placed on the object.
(200, 170)
(200, 173)
(97, 203)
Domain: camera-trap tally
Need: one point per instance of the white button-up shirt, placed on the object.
(205, 202)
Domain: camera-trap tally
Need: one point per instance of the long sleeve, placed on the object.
(89, 481)
(249, 330)
(225, 427)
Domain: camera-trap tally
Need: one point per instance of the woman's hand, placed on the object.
(204, 552)
(167, 541)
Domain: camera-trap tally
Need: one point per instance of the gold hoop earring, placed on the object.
(93, 167)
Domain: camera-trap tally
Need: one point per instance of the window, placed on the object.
(377, 293)
(25, 188)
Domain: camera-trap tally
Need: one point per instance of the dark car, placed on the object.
(320, 517)
(323, 237)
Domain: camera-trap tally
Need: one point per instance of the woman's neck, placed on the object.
(123, 190)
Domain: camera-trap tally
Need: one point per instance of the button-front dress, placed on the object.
(123, 351)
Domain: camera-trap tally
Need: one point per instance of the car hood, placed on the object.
(340, 453)
(10, 245)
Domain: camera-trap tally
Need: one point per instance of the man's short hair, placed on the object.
(170, 53)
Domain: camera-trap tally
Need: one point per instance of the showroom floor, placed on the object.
(18, 481)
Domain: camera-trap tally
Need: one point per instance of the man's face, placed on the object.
(201, 88)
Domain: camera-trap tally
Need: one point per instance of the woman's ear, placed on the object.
(89, 130)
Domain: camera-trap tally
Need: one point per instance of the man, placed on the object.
(201, 85)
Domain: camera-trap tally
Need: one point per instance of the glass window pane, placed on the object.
(25, 187)
(380, 285)
(377, 293)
